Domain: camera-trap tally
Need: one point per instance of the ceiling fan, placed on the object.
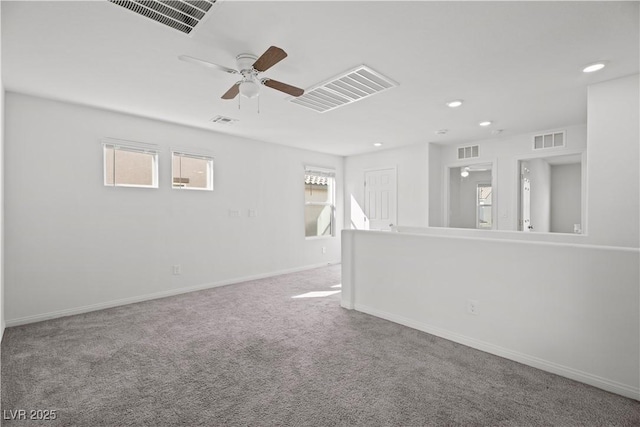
(249, 67)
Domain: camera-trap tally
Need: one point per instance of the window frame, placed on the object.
(481, 205)
(130, 147)
(193, 155)
(331, 174)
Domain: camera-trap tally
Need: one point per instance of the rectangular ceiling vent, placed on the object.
(352, 86)
(182, 15)
(468, 152)
(222, 120)
(549, 140)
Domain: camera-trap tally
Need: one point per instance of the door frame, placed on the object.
(494, 185)
(583, 190)
(364, 189)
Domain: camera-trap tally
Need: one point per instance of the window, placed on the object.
(484, 206)
(319, 202)
(130, 165)
(192, 171)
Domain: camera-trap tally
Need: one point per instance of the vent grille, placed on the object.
(549, 140)
(468, 152)
(222, 120)
(352, 86)
(182, 15)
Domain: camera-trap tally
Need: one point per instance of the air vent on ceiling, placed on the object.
(468, 152)
(549, 140)
(182, 15)
(222, 120)
(352, 86)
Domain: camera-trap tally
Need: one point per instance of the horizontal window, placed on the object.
(191, 171)
(130, 166)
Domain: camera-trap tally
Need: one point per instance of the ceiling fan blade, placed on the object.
(207, 64)
(271, 57)
(232, 92)
(283, 87)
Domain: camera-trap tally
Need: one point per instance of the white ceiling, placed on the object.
(515, 63)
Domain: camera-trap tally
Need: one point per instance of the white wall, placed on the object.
(613, 200)
(569, 309)
(435, 196)
(73, 244)
(505, 151)
(411, 163)
(464, 196)
(566, 303)
(565, 197)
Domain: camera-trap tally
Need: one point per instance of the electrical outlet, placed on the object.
(177, 270)
(472, 306)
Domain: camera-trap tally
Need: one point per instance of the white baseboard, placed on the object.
(156, 295)
(545, 365)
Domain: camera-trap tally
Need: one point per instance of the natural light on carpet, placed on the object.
(316, 294)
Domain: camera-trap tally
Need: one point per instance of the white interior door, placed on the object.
(380, 198)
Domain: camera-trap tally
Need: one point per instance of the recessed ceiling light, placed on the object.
(594, 67)
(377, 144)
(455, 103)
(485, 123)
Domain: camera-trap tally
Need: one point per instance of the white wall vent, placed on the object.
(549, 140)
(182, 15)
(222, 120)
(468, 152)
(352, 86)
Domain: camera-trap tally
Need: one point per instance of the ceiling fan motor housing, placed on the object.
(245, 62)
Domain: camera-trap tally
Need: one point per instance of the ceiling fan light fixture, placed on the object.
(464, 172)
(249, 89)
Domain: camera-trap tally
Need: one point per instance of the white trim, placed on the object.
(156, 295)
(331, 174)
(505, 239)
(125, 143)
(153, 152)
(545, 365)
(583, 184)
(494, 185)
(210, 169)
